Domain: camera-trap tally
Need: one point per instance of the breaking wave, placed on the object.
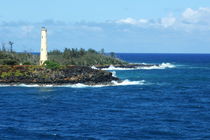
(114, 74)
(79, 85)
(93, 67)
(127, 82)
(161, 66)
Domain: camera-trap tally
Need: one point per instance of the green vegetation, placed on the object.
(27, 63)
(18, 73)
(83, 58)
(69, 66)
(14, 58)
(51, 65)
(79, 57)
(5, 74)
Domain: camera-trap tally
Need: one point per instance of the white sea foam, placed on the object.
(161, 66)
(26, 85)
(127, 82)
(113, 83)
(114, 74)
(93, 67)
(4, 85)
(79, 85)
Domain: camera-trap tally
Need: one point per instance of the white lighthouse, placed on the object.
(43, 50)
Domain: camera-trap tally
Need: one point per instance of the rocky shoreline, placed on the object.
(127, 66)
(40, 75)
(65, 75)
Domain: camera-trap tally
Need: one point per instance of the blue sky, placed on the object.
(144, 26)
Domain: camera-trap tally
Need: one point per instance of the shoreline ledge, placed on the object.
(23, 74)
(126, 66)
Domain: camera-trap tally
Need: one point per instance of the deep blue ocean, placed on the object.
(171, 102)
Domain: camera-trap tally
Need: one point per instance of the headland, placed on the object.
(71, 66)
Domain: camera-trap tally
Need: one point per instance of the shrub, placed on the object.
(27, 63)
(18, 73)
(6, 74)
(51, 65)
(9, 62)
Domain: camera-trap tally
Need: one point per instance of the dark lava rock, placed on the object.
(126, 66)
(65, 75)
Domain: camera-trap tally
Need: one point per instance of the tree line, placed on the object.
(70, 56)
(4, 48)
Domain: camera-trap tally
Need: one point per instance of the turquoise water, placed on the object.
(171, 102)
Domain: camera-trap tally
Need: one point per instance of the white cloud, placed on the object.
(26, 29)
(91, 28)
(127, 21)
(164, 22)
(144, 21)
(201, 15)
(189, 14)
(190, 19)
(168, 21)
(132, 21)
(194, 21)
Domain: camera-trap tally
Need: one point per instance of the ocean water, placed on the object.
(167, 102)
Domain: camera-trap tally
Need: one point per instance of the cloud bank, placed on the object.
(188, 32)
(197, 19)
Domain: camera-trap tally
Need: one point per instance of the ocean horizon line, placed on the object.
(137, 53)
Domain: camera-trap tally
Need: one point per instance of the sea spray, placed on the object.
(128, 82)
(93, 67)
(80, 85)
(161, 66)
(114, 74)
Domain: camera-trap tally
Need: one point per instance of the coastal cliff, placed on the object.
(63, 75)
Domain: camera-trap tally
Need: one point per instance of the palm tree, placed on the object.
(3, 46)
(11, 45)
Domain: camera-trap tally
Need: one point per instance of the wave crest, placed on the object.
(161, 66)
(128, 82)
(79, 85)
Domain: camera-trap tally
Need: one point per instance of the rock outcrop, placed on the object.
(63, 75)
(127, 66)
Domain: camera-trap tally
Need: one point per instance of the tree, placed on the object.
(3, 46)
(102, 51)
(55, 52)
(92, 51)
(112, 54)
(82, 52)
(11, 45)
